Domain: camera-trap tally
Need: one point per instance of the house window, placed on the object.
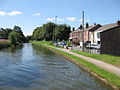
(98, 35)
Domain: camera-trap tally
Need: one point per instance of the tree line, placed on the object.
(52, 31)
(15, 35)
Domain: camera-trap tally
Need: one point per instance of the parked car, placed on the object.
(95, 46)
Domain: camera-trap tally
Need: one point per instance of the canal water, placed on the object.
(37, 68)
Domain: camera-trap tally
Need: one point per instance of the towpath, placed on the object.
(109, 67)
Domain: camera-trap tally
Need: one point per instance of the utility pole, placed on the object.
(54, 30)
(55, 26)
(83, 31)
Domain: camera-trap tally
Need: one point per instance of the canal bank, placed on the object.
(103, 75)
(5, 44)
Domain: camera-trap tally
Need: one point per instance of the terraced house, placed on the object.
(88, 34)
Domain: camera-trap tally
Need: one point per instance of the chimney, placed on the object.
(118, 22)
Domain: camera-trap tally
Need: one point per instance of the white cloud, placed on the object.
(71, 19)
(60, 19)
(86, 20)
(13, 13)
(50, 19)
(27, 33)
(36, 14)
(2, 13)
(53, 19)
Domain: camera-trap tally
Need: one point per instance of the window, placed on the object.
(98, 34)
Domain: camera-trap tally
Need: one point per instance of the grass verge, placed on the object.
(111, 78)
(5, 44)
(114, 60)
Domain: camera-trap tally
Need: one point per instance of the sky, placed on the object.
(29, 14)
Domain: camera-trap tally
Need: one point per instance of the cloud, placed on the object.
(13, 13)
(2, 13)
(53, 19)
(36, 14)
(50, 19)
(60, 19)
(86, 20)
(27, 33)
(71, 19)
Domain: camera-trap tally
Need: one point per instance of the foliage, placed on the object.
(4, 33)
(15, 38)
(28, 38)
(51, 31)
(62, 32)
(21, 35)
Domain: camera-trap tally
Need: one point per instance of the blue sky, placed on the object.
(29, 14)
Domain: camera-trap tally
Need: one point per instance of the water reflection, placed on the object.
(37, 68)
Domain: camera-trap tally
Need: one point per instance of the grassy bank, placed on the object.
(5, 44)
(111, 78)
(114, 60)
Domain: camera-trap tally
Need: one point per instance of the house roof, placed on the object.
(108, 26)
(91, 28)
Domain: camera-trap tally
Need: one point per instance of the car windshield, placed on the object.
(94, 45)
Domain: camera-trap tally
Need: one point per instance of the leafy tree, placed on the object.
(38, 34)
(18, 30)
(5, 32)
(28, 38)
(62, 32)
(15, 38)
(50, 30)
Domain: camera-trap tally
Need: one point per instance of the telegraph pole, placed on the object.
(83, 31)
(55, 27)
(54, 30)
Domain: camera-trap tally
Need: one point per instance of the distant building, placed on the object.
(88, 34)
(110, 39)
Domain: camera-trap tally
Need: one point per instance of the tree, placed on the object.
(28, 38)
(62, 32)
(15, 38)
(18, 30)
(46, 32)
(5, 32)
(38, 34)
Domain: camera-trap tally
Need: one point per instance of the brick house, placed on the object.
(88, 34)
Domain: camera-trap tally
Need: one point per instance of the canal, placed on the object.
(37, 68)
